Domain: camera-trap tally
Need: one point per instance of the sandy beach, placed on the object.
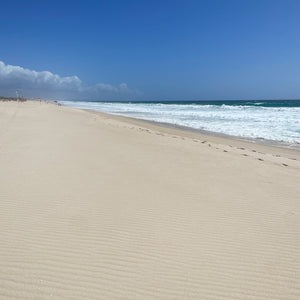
(95, 206)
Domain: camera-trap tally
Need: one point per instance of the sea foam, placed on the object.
(277, 123)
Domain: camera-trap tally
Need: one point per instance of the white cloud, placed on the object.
(46, 84)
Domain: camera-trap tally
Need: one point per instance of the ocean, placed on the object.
(270, 120)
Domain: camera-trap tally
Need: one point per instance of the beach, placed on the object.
(273, 122)
(96, 206)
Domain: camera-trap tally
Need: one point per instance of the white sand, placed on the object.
(94, 206)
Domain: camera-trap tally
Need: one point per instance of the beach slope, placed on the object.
(94, 206)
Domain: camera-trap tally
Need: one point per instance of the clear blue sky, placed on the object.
(209, 49)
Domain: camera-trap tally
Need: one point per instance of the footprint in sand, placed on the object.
(225, 151)
(260, 159)
(285, 165)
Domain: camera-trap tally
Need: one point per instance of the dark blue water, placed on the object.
(262, 103)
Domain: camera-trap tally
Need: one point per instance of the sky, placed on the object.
(151, 50)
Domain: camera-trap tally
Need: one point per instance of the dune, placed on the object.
(95, 206)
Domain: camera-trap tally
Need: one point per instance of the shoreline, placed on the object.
(239, 145)
(99, 206)
(262, 141)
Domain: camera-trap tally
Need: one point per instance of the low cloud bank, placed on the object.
(31, 83)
